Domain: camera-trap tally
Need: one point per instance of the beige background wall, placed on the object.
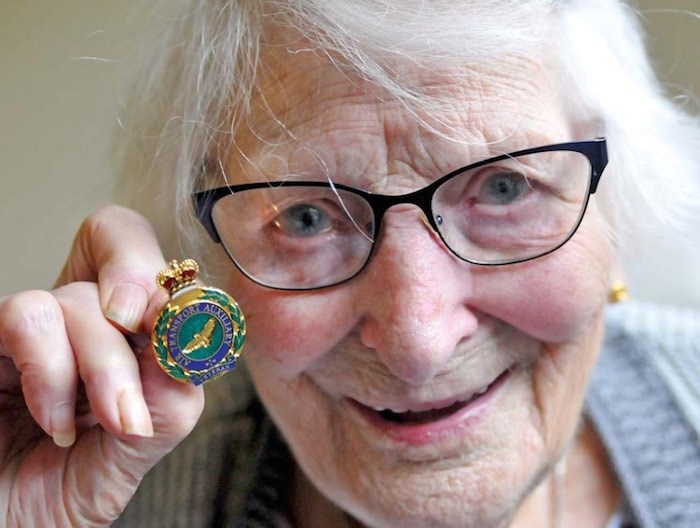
(59, 71)
(60, 64)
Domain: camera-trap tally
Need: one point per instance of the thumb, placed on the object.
(117, 248)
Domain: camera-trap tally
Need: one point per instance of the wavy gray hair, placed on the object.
(200, 80)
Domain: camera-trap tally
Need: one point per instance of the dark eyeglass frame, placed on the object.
(594, 150)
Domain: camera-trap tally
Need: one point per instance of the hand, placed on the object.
(85, 411)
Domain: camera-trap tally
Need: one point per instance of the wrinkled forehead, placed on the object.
(296, 86)
(308, 97)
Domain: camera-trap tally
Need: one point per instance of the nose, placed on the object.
(414, 297)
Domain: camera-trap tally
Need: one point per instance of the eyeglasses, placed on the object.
(302, 235)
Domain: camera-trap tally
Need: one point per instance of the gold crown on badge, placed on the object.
(178, 275)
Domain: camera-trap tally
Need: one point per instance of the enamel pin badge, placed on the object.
(200, 333)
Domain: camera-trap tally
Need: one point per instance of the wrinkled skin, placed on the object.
(444, 329)
(58, 351)
(418, 325)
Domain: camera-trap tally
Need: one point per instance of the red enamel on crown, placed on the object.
(178, 275)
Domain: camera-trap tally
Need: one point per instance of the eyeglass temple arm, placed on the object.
(597, 152)
(203, 203)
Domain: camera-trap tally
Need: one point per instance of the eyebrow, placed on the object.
(323, 164)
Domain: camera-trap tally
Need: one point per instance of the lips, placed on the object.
(417, 423)
(422, 417)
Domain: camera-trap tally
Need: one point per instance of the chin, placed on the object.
(485, 455)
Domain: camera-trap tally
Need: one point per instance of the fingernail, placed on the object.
(134, 415)
(63, 425)
(127, 305)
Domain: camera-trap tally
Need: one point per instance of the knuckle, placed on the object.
(100, 505)
(109, 215)
(82, 294)
(32, 312)
(101, 236)
(105, 223)
(110, 374)
(94, 224)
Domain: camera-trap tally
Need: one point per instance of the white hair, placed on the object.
(201, 78)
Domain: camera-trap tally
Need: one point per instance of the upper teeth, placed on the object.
(403, 410)
(380, 409)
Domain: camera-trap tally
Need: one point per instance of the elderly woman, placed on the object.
(413, 206)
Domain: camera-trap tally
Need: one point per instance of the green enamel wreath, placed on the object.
(236, 316)
(160, 330)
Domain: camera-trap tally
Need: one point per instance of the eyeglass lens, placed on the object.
(515, 209)
(296, 237)
(310, 237)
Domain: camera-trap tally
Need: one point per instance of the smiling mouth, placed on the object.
(409, 417)
(424, 417)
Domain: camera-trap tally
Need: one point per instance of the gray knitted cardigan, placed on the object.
(644, 400)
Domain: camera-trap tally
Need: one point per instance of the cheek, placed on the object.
(286, 331)
(556, 297)
(560, 379)
(559, 301)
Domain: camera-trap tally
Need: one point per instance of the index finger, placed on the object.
(117, 248)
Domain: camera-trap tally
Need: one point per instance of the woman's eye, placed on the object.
(503, 188)
(303, 220)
